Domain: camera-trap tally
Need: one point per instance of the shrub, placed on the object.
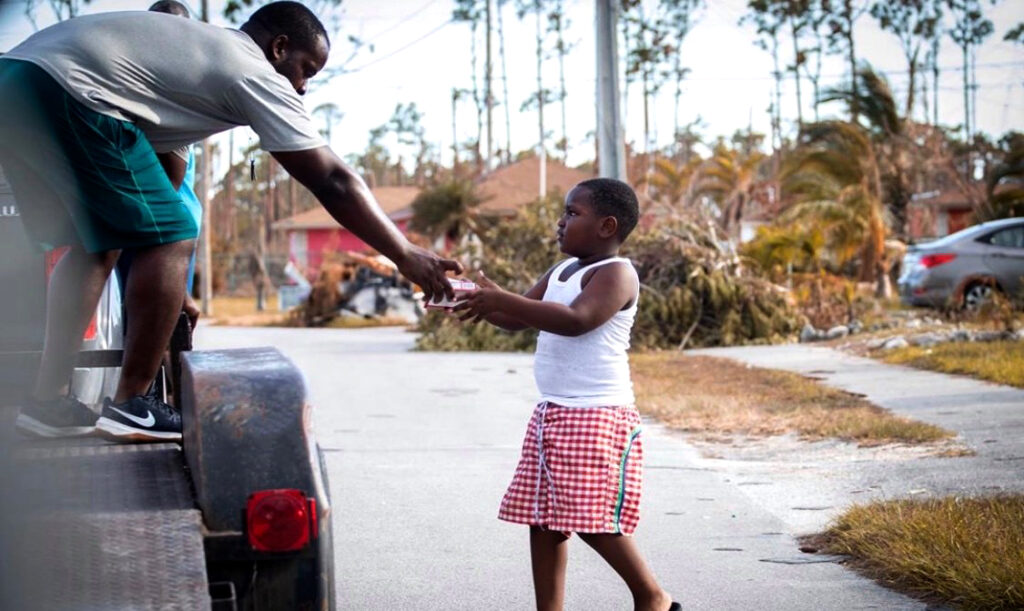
(693, 290)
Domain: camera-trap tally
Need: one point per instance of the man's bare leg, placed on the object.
(74, 291)
(622, 555)
(153, 298)
(549, 554)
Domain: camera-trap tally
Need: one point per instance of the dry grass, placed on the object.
(241, 311)
(965, 551)
(360, 322)
(1001, 362)
(716, 397)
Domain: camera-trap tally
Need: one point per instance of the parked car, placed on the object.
(963, 268)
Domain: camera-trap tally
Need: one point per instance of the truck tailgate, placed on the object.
(100, 526)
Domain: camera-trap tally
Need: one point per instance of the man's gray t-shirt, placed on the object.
(178, 80)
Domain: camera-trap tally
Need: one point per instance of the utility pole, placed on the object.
(542, 154)
(205, 265)
(610, 139)
(489, 94)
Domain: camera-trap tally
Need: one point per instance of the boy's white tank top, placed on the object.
(591, 369)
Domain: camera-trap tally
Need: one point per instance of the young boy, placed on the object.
(582, 457)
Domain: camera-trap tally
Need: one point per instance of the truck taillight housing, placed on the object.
(282, 520)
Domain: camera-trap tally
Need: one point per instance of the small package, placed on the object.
(461, 288)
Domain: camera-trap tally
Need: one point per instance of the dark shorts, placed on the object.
(81, 177)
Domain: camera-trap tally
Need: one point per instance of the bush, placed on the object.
(693, 291)
(442, 333)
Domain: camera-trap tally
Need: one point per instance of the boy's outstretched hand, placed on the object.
(485, 300)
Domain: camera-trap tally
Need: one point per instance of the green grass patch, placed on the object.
(968, 552)
(716, 396)
(999, 361)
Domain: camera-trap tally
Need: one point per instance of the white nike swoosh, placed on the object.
(147, 422)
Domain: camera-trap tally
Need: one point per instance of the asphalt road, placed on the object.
(420, 447)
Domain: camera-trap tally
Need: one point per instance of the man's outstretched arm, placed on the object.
(347, 198)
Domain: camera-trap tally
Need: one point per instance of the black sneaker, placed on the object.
(60, 417)
(141, 418)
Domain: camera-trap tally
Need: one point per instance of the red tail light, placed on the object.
(52, 257)
(282, 520)
(930, 261)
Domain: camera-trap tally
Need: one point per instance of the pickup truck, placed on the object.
(236, 517)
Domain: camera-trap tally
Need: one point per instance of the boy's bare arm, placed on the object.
(503, 319)
(609, 290)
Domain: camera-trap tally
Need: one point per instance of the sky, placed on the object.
(418, 55)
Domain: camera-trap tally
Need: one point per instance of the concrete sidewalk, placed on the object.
(420, 447)
(806, 488)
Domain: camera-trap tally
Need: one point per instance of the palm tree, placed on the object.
(729, 178)
(680, 16)
(447, 210)
(970, 29)
(879, 117)
(1008, 175)
(795, 244)
(834, 180)
(672, 186)
(470, 11)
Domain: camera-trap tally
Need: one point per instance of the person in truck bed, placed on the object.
(95, 116)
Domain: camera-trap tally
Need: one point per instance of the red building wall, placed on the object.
(324, 241)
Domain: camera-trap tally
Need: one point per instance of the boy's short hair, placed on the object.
(292, 19)
(611, 197)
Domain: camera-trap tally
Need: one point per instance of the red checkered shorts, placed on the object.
(580, 471)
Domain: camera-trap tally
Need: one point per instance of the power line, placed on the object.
(400, 49)
(788, 73)
(402, 21)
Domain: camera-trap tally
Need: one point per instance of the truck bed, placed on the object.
(89, 524)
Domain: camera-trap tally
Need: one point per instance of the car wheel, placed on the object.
(977, 294)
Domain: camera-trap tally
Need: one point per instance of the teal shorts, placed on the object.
(79, 176)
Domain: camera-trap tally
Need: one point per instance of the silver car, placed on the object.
(963, 268)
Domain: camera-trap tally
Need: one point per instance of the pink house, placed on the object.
(314, 233)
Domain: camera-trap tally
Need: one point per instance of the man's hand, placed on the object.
(428, 271)
(191, 310)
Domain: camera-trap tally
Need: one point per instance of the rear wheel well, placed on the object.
(972, 283)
